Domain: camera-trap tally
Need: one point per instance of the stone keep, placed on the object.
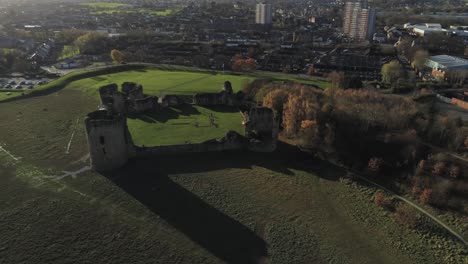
(109, 140)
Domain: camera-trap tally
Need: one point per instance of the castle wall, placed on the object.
(132, 90)
(143, 105)
(232, 141)
(112, 98)
(109, 141)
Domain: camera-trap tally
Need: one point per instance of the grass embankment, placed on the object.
(69, 51)
(105, 5)
(158, 80)
(110, 8)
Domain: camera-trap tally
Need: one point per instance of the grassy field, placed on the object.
(104, 5)
(110, 8)
(159, 82)
(184, 124)
(68, 52)
(147, 11)
(229, 207)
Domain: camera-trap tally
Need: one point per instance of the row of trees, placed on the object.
(13, 60)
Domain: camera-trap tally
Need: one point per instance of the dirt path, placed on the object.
(8, 153)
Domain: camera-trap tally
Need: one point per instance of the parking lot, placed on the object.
(21, 83)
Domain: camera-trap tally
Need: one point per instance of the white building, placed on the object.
(263, 14)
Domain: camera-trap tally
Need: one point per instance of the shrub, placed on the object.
(439, 169)
(422, 165)
(454, 172)
(406, 215)
(375, 164)
(425, 196)
(381, 200)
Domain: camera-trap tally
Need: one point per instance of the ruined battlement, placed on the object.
(132, 90)
(129, 100)
(110, 143)
(231, 141)
(225, 97)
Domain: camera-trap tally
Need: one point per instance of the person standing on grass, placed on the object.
(212, 120)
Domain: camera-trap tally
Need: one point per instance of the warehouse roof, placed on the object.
(447, 61)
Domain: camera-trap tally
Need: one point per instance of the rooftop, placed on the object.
(448, 61)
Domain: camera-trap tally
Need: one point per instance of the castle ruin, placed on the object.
(111, 146)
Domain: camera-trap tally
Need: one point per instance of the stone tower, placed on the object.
(109, 140)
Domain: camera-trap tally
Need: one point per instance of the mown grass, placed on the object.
(104, 5)
(110, 8)
(159, 82)
(184, 124)
(69, 51)
(8, 51)
(147, 11)
(292, 78)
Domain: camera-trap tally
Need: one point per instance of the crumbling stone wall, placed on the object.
(143, 105)
(110, 143)
(225, 97)
(130, 100)
(132, 91)
(170, 100)
(113, 99)
(232, 141)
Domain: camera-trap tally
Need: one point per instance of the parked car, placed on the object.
(18, 87)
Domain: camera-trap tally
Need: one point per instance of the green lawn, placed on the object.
(8, 51)
(104, 5)
(110, 8)
(148, 11)
(185, 124)
(294, 78)
(159, 82)
(68, 52)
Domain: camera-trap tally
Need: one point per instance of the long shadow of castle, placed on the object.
(148, 181)
(111, 146)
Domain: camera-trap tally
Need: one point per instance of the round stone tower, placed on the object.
(109, 141)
